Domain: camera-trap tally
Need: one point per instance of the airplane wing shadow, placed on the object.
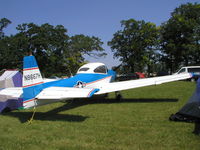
(46, 116)
(54, 115)
(88, 101)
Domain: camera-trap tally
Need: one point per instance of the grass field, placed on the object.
(138, 122)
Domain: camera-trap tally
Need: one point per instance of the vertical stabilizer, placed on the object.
(32, 81)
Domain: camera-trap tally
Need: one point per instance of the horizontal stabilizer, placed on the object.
(13, 92)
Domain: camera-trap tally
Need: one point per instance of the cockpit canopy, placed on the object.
(93, 68)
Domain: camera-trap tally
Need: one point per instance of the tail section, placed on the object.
(32, 81)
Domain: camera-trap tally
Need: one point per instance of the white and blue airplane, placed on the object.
(91, 79)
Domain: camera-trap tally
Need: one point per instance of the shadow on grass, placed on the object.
(45, 116)
(53, 115)
(81, 102)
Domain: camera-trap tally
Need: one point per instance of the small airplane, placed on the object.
(91, 79)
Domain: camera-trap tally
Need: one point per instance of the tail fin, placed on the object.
(32, 81)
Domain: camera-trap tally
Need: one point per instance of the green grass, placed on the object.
(138, 122)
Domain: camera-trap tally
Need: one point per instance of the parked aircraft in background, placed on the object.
(91, 79)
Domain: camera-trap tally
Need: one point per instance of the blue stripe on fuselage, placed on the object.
(72, 81)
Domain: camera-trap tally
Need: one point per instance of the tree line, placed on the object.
(57, 53)
(143, 46)
(139, 45)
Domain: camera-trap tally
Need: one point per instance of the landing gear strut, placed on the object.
(196, 128)
(118, 95)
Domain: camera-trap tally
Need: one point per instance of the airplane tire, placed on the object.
(119, 97)
(197, 128)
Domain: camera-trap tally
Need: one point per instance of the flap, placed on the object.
(65, 93)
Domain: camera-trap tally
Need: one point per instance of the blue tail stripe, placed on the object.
(32, 91)
(29, 62)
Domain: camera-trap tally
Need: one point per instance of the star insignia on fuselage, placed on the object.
(80, 84)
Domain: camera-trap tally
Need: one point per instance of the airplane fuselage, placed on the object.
(92, 80)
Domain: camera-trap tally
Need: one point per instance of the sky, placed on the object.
(100, 18)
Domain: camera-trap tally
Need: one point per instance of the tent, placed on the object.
(9, 103)
(190, 112)
(11, 78)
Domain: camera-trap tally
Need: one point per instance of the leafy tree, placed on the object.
(46, 42)
(87, 45)
(6, 53)
(180, 37)
(80, 45)
(4, 22)
(11, 57)
(135, 44)
(56, 52)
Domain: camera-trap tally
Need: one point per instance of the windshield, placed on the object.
(182, 70)
(101, 69)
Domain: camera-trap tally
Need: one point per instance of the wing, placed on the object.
(65, 93)
(124, 85)
(48, 95)
(52, 93)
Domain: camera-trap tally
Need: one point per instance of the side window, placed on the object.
(101, 69)
(193, 69)
(182, 70)
(84, 69)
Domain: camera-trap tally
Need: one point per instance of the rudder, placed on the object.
(32, 81)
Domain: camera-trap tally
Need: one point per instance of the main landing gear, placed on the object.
(118, 95)
(196, 128)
